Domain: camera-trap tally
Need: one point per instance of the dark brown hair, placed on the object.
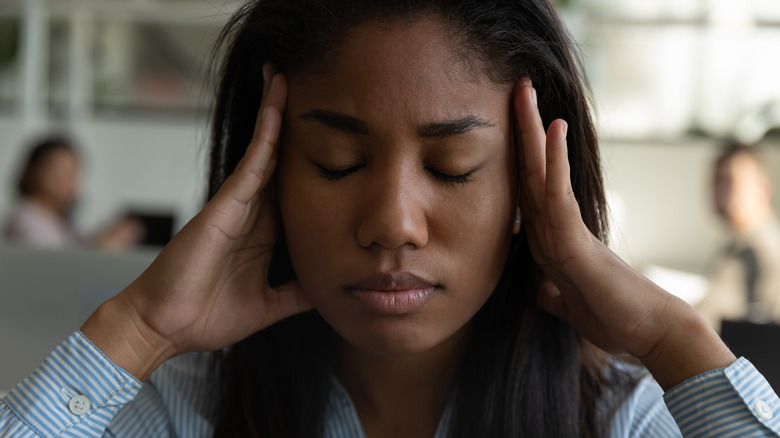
(39, 151)
(521, 364)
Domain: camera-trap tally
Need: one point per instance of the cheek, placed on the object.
(479, 234)
(313, 228)
(479, 218)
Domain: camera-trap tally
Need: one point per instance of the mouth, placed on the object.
(393, 293)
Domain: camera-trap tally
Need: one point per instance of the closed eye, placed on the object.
(451, 180)
(444, 178)
(335, 174)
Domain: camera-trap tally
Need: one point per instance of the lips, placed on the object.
(393, 293)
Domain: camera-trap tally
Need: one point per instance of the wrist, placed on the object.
(688, 347)
(118, 331)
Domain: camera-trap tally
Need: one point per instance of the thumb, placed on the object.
(550, 299)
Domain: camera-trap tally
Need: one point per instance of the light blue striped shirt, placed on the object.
(78, 392)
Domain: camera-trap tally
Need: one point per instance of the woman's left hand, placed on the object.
(583, 282)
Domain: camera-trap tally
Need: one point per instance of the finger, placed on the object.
(274, 95)
(265, 137)
(563, 210)
(557, 161)
(269, 70)
(530, 153)
(288, 300)
(531, 140)
(550, 299)
(256, 167)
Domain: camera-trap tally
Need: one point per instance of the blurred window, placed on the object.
(675, 68)
(9, 59)
(150, 66)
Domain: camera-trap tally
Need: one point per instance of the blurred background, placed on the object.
(672, 81)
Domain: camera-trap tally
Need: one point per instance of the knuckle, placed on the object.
(255, 172)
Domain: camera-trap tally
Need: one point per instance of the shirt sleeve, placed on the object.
(75, 392)
(643, 414)
(178, 400)
(731, 402)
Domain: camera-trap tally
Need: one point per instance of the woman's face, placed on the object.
(742, 190)
(396, 187)
(56, 179)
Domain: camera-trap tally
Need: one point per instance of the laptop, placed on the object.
(158, 226)
(758, 343)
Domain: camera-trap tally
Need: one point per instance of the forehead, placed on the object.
(423, 34)
(740, 163)
(58, 156)
(411, 66)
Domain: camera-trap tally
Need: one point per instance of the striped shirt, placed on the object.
(78, 392)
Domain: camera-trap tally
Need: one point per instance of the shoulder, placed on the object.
(30, 223)
(27, 211)
(769, 237)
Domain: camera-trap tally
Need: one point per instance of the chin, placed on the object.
(398, 337)
(393, 347)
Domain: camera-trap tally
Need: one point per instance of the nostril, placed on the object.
(393, 229)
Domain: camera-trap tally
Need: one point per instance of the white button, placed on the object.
(79, 405)
(763, 410)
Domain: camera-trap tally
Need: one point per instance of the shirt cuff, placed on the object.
(76, 387)
(733, 401)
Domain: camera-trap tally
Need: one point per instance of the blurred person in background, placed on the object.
(48, 190)
(745, 279)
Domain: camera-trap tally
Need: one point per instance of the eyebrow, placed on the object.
(352, 125)
(341, 122)
(450, 128)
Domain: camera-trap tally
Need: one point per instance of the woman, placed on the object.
(48, 190)
(420, 201)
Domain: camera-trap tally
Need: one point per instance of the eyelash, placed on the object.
(450, 180)
(334, 175)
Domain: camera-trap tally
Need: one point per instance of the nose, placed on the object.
(394, 213)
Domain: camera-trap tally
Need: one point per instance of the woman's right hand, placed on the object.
(587, 285)
(208, 288)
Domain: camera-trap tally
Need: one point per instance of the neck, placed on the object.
(747, 223)
(48, 203)
(401, 395)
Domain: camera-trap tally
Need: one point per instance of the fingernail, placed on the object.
(533, 95)
(564, 129)
(525, 81)
(266, 71)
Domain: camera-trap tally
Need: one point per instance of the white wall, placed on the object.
(147, 164)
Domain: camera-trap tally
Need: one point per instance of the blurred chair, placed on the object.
(46, 294)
